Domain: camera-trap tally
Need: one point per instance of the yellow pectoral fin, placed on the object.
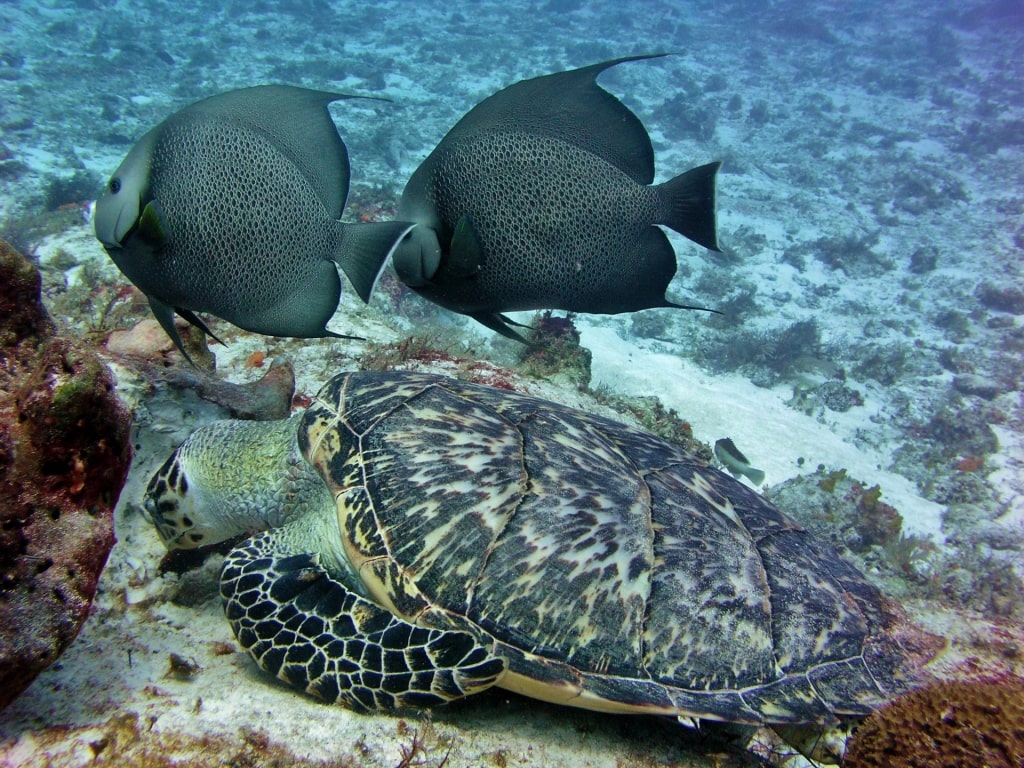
(151, 228)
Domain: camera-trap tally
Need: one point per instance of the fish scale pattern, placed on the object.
(559, 227)
(218, 185)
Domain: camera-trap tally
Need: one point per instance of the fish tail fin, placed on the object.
(364, 249)
(756, 475)
(690, 204)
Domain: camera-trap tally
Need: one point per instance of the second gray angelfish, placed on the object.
(541, 196)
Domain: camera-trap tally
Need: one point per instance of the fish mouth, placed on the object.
(113, 231)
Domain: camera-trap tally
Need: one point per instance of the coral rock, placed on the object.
(64, 453)
(555, 351)
(954, 724)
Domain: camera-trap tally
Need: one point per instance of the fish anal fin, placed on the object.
(501, 324)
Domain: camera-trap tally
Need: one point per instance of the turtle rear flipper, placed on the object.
(308, 629)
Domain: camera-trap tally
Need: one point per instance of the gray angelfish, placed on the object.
(541, 196)
(231, 206)
(734, 460)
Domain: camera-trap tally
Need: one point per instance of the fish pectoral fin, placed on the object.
(417, 257)
(364, 249)
(466, 257)
(503, 325)
(165, 316)
(151, 230)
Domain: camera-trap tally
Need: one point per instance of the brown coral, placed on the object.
(64, 453)
(946, 725)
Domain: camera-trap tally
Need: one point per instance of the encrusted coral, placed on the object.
(64, 453)
(556, 350)
(946, 725)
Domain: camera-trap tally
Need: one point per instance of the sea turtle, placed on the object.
(417, 539)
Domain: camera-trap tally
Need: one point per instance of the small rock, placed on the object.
(1002, 298)
(979, 386)
(924, 259)
(836, 396)
(145, 339)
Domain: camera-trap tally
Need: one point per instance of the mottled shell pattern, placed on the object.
(612, 569)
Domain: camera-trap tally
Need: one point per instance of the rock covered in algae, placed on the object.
(64, 454)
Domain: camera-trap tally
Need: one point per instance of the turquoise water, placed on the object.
(870, 208)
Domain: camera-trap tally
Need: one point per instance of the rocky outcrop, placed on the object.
(64, 453)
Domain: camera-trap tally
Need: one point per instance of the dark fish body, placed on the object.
(541, 197)
(231, 207)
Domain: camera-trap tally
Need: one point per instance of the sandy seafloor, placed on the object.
(872, 183)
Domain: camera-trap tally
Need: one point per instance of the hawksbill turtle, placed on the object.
(415, 539)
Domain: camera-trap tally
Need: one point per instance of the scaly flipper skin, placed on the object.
(306, 628)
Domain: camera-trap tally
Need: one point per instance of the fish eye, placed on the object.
(114, 186)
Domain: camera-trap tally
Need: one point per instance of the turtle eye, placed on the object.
(114, 186)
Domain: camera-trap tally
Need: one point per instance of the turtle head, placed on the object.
(227, 479)
(180, 509)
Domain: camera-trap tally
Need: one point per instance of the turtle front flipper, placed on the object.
(308, 629)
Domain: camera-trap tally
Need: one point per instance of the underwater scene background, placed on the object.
(869, 357)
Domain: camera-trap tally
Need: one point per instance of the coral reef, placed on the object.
(854, 255)
(64, 454)
(654, 417)
(945, 725)
(832, 395)
(974, 570)
(767, 356)
(853, 518)
(72, 190)
(555, 351)
(1002, 298)
(415, 352)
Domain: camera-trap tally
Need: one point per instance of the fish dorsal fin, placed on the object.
(297, 121)
(729, 447)
(572, 107)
